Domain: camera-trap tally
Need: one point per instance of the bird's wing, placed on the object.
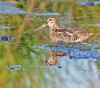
(72, 31)
(64, 31)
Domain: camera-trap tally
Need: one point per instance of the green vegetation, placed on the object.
(15, 51)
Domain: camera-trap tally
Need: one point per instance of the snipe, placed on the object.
(68, 35)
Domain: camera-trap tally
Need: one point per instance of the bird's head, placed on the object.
(51, 22)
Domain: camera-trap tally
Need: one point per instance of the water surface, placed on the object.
(77, 66)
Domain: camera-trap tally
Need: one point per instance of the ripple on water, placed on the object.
(14, 67)
(13, 2)
(89, 3)
(4, 27)
(6, 8)
(97, 25)
(77, 52)
(46, 13)
(5, 38)
(57, 0)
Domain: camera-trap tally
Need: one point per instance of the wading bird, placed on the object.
(66, 35)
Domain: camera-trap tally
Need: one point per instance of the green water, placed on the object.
(21, 68)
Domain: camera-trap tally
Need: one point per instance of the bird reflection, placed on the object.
(51, 60)
(53, 57)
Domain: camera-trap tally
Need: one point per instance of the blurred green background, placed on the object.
(34, 73)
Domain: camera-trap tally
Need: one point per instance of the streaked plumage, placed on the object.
(53, 57)
(67, 35)
(58, 34)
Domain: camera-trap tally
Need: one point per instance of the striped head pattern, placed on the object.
(52, 23)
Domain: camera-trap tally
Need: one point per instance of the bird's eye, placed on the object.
(50, 19)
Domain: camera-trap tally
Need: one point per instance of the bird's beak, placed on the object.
(37, 29)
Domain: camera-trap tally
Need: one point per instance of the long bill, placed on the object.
(37, 29)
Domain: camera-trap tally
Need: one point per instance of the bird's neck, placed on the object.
(53, 27)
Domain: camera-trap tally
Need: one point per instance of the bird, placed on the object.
(66, 35)
(53, 57)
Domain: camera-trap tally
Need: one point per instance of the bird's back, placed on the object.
(69, 35)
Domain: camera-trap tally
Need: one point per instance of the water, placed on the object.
(46, 14)
(97, 25)
(4, 27)
(6, 8)
(76, 66)
(5, 38)
(89, 3)
(89, 52)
